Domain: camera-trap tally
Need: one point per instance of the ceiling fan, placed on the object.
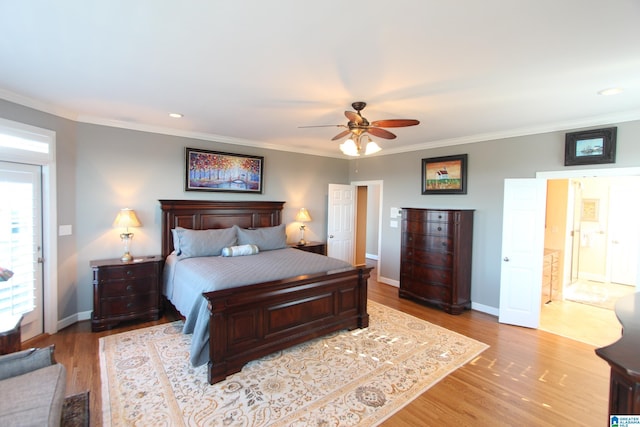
(358, 125)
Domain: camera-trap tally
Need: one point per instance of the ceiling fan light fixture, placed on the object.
(349, 148)
(372, 148)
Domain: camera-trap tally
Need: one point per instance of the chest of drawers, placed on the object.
(436, 257)
(125, 291)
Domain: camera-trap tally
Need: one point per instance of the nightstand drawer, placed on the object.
(132, 271)
(118, 288)
(134, 304)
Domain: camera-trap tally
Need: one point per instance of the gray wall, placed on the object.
(102, 169)
(489, 164)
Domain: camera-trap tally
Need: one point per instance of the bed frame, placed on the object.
(252, 321)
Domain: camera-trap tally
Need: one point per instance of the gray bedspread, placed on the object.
(186, 279)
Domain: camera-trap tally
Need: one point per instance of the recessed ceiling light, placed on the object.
(610, 91)
(176, 115)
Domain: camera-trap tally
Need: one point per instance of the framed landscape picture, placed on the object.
(445, 175)
(590, 147)
(224, 172)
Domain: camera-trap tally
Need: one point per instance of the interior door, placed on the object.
(341, 222)
(522, 251)
(21, 245)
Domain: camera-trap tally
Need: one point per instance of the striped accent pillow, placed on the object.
(240, 250)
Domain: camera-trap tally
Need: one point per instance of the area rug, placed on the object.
(348, 378)
(75, 410)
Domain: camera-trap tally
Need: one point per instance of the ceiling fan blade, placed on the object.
(380, 133)
(353, 117)
(321, 126)
(341, 134)
(395, 123)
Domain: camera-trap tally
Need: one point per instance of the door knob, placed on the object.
(506, 259)
(331, 236)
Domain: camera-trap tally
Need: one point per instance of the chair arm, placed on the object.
(21, 362)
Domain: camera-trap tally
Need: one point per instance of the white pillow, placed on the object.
(199, 243)
(265, 238)
(241, 250)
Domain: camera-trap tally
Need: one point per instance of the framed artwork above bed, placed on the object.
(223, 172)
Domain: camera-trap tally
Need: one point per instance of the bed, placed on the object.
(247, 321)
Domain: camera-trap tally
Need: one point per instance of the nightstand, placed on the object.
(10, 341)
(126, 291)
(315, 247)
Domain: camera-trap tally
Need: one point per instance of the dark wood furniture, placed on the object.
(623, 356)
(255, 320)
(126, 291)
(10, 336)
(435, 260)
(314, 247)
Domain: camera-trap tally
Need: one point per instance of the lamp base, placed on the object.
(127, 257)
(302, 242)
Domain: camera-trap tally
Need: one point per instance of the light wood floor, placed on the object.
(526, 378)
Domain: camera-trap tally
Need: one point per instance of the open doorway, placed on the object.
(590, 231)
(368, 226)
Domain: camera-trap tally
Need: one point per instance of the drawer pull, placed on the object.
(129, 288)
(439, 228)
(129, 305)
(129, 272)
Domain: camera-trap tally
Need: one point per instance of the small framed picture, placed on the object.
(445, 175)
(223, 172)
(590, 147)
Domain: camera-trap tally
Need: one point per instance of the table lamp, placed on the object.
(126, 218)
(302, 216)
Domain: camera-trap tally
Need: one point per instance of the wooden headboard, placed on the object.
(206, 214)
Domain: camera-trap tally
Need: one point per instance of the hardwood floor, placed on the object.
(526, 378)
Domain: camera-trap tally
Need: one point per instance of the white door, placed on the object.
(522, 251)
(21, 245)
(341, 216)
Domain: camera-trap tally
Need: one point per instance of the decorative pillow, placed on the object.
(240, 250)
(265, 238)
(199, 243)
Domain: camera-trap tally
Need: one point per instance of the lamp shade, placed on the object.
(126, 218)
(303, 215)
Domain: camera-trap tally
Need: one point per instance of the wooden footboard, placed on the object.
(253, 321)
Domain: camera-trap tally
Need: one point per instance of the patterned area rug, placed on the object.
(358, 377)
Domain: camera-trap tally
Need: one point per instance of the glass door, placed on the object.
(21, 245)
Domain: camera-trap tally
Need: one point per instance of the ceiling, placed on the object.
(251, 72)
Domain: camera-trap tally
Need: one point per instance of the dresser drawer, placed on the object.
(131, 271)
(426, 274)
(128, 305)
(432, 228)
(431, 291)
(428, 215)
(426, 242)
(436, 259)
(118, 288)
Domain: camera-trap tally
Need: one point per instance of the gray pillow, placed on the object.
(265, 238)
(199, 243)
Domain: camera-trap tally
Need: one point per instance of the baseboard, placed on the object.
(388, 281)
(485, 309)
(74, 318)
